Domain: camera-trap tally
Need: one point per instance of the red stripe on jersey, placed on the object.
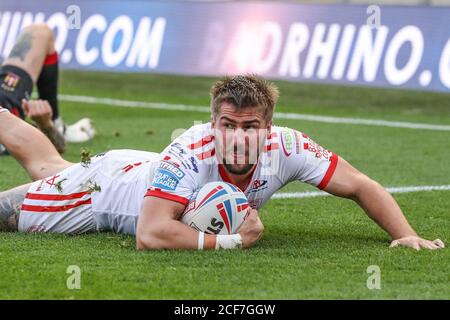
(270, 147)
(206, 154)
(201, 142)
(272, 135)
(168, 196)
(27, 207)
(56, 197)
(51, 59)
(329, 173)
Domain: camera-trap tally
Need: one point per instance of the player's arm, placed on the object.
(379, 205)
(158, 228)
(30, 147)
(40, 112)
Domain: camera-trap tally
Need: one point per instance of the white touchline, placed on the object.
(311, 194)
(278, 115)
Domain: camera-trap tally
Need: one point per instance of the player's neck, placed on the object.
(239, 180)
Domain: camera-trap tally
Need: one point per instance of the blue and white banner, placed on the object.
(407, 47)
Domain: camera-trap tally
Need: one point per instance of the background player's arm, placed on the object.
(41, 113)
(30, 147)
(379, 205)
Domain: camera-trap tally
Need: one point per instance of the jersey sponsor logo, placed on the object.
(165, 180)
(194, 164)
(179, 157)
(167, 176)
(259, 185)
(10, 82)
(188, 163)
(179, 147)
(287, 141)
(297, 141)
(319, 151)
(171, 168)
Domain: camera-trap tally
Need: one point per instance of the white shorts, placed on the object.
(104, 195)
(61, 203)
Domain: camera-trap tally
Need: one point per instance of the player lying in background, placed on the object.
(144, 193)
(33, 60)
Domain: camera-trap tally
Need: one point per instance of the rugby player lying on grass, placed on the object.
(145, 193)
(34, 60)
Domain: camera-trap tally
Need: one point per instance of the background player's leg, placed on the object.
(30, 147)
(47, 82)
(31, 49)
(10, 203)
(35, 53)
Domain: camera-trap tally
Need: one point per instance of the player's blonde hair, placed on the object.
(244, 91)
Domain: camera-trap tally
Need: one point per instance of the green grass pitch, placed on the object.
(314, 248)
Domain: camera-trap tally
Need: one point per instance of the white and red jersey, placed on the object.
(189, 162)
(107, 193)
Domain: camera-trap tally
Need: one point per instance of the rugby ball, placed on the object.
(218, 208)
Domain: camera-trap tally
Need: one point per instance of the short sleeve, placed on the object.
(176, 175)
(309, 162)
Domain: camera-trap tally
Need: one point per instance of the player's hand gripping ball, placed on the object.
(218, 208)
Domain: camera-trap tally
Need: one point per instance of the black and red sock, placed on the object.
(47, 82)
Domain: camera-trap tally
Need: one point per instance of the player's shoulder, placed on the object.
(193, 151)
(286, 140)
(302, 146)
(195, 133)
(197, 142)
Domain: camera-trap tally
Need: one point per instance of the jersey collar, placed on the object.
(226, 178)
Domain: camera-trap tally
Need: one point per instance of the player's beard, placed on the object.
(239, 159)
(238, 169)
(239, 165)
